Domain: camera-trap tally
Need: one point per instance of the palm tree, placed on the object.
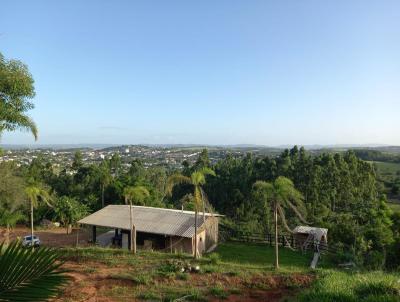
(197, 179)
(282, 194)
(9, 219)
(30, 275)
(35, 193)
(136, 194)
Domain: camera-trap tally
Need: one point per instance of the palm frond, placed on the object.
(283, 218)
(199, 177)
(136, 193)
(174, 180)
(207, 171)
(297, 212)
(263, 187)
(29, 275)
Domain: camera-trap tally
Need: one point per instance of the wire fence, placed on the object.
(287, 240)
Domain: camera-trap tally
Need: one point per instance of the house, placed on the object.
(306, 236)
(157, 228)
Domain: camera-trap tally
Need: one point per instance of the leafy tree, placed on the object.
(197, 179)
(16, 87)
(36, 193)
(29, 275)
(68, 210)
(105, 179)
(203, 161)
(9, 219)
(77, 162)
(11, 197)
(136, 194)
(115, 164)
(281, 194)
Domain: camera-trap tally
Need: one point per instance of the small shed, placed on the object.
(306, 235)
(157, 228)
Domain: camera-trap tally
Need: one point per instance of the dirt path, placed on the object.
(55, 237)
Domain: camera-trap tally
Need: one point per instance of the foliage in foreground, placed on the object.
(336, 286)
(29, 274)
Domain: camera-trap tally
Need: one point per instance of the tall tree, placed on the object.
(77, 162)
(134, 194)
(280, 194)
(11, 196)
(105, 179)
(36, 193)
(197, 179)
(16, 88)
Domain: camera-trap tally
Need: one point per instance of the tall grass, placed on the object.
(338, 286)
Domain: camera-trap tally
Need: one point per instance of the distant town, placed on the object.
(171, 157)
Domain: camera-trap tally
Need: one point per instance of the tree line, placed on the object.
(338, 192)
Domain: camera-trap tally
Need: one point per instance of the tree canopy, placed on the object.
(16, 88)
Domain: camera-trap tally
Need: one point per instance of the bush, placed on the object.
(374, 260)
(182, 276)
(219, 292)
(215, 258)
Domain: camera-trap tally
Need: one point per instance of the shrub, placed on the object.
(219, 292)
(182, 276)
(215, 258)
(374, 260)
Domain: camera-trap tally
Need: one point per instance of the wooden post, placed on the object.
(276, 236)
(134, 238)
(77, 236)
(170, 243)
(132, 245)
(94, 234)
(32, 244)
(195, 234)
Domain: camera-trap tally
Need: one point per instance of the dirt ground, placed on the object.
(54, 237)
(96, 282)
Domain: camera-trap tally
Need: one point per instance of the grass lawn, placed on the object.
(262, 256)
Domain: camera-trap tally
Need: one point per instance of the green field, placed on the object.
(388, 176)
(387, 168)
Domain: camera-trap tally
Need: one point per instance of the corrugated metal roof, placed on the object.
(310, 230)
(146, 219)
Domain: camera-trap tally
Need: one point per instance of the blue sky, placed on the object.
(209, 72)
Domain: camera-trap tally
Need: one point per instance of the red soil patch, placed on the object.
(96, 286)
(55, 237)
